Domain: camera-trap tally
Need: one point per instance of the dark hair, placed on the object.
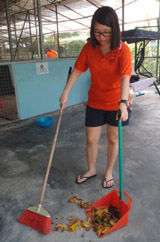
(106, 16)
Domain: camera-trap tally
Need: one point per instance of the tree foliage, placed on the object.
(74, 47)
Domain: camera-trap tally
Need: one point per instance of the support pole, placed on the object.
(122, 15)
(40, 29)
(20, 36)
(135, 57)
(30, 33)
(15, 31)
(57, 31)
(37, 37)
(159, 18)
(157, 60)
(9, 28)
(158, 44)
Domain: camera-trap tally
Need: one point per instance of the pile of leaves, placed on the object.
(104, 219)
(100, 220)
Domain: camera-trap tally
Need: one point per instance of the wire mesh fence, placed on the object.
(20, 28)
(29, 28)
(8, 107)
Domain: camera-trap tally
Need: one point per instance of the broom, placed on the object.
(37, 217)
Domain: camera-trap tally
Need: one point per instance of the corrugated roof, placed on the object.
(72, 15)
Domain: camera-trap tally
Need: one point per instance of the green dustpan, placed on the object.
(115, 197)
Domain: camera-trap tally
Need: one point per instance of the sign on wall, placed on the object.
(42, 68)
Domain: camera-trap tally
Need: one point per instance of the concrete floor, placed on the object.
(24, 154)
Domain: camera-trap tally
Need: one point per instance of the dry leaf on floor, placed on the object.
(101, 219)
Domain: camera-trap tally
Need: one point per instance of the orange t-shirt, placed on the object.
(106, 72)
(51, 54)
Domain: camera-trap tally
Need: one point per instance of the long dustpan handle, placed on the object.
(50, 158)
(120, 159)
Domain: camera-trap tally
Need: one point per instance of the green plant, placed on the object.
(74, 47)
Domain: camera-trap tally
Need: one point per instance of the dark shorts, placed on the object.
(96, 117)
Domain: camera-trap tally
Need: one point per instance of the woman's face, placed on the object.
(102, 33)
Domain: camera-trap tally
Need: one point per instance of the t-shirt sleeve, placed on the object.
(125, 61)
(82, 61)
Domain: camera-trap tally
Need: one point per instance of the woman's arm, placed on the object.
(125, 80)
(70, 83)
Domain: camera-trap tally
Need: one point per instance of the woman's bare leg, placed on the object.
(93, 135)
(112, 136)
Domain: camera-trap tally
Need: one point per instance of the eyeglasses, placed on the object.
(104, 34)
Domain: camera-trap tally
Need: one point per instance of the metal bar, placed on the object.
(30, 33)
(63, 21)
(156, 88)
(153, 26)
(122, 15)
(25, 3)
(73, 10)
(68, 17)
(46, 6)
(15, 30)
(24, 9)
(40, 29)
(151, 57)
(15, 4)
(135, 57)
(126, 4)
(20, 36)
(94, 4)
(37, 37)
(157, 64)
(159, 18)
(142, 20)
(57, 31)
(9, 28)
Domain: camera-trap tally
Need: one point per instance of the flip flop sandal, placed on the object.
(107, 181)
(86, 178)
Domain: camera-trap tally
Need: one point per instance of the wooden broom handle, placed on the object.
(50, 158)
(52, 150)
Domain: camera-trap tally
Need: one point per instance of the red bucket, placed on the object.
(113, 199)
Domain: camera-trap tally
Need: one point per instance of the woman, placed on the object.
(109, 61)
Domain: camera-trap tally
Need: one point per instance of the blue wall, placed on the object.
(39, 94)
